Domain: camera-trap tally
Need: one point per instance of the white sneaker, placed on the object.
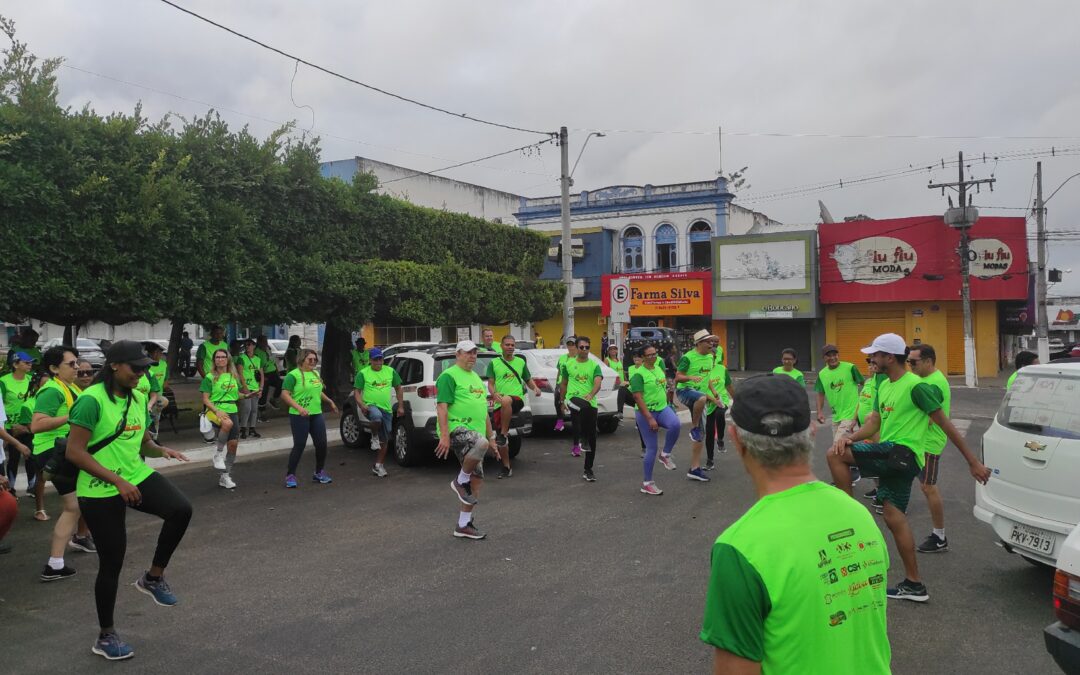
(667, 461)
(379, 470)
(375, 445)
(226, 481)
(219, 459)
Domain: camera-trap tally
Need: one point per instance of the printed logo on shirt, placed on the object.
(842, 534)
(836, 385)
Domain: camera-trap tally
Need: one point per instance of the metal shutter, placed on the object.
(855, 332)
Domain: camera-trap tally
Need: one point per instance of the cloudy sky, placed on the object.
(807, 93)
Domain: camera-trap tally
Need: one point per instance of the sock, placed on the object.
(463, 478)
(463, 518)
(940, 533)
(56, 563)
(222, 439)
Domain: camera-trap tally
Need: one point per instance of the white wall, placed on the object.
(128, 331)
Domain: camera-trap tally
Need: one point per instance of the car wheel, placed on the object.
(515, 446)
(607, 425)
(351, 435)
(405, 451)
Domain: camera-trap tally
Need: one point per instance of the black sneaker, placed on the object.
(872, 495)
(505, 473)
(933, 544)
(589, 476)
(856, 475)
(501, 440)
(49, 574)
(463, 492)
(909, 590)
(468, 532)
(709, 466)
(243, 434)
(254, 434)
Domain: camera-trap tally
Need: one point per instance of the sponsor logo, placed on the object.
(857, 586)
(844, 547)
(831, 576)
(876, 580)
(829, 597)
(871, 562)
(841, 534)
(824, 559)
(837, 619)
(854, 567)
(836, 386)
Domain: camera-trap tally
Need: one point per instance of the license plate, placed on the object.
(1032, 538)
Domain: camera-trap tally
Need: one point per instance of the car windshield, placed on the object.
(1043, 403)
(278, 345)
(483, 360)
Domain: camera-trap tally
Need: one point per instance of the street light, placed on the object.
(583, 145)
(1042, 325)
(567, 260)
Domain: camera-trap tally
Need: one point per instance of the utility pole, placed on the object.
(567, 253)
(963, 218)
(1042, 328)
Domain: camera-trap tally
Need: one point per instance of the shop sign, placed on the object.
(874, 260)
(989, 258)
(674, 294)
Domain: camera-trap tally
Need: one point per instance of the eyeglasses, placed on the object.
(583, 348)
(70, 364)
(913, 362)
(85, 373)
(650, 355)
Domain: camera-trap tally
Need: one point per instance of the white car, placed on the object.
(91, 349)
(543, 366)
(1032, 500)
(407, 347)
(415, 436)
(1062, 638)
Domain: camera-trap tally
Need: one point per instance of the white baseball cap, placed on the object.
(466, 346)
(890, 343)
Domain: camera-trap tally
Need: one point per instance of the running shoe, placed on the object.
(468, 532)
(697, 474)
(501, 440)
(879, 506)
(872, 495)
(463, 492)
(709, 466)
(721, 447)
(576, 450)
(158, 590)
(559, 425)
(909, 590)
(219, 459)
(243, 434)
(112, 647)
(321, 477)
(84, 544)
(49, 574)
(589, 476)
(650, 488)
(226, 481)
(290, 481)
(856, 475)
(379, 470)
(667, 461)
(696, 435)
(933, 544)
(375, 445)
(254, 434)
(505, 473)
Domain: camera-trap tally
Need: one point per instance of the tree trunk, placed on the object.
(336, 363)
(70, 333)
(175, 335)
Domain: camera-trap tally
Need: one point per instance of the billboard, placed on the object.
(663, 294)
(765, 276)
(918, 259)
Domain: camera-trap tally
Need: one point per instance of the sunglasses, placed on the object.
(138, 370)
(583, 348)
(85, 373)
(913, 362)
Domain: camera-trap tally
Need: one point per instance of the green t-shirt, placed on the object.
(866, 397)
(485, 348)
(696, 364)
(94, 411)
(147, 385)
(720, 379)
(160, 372)
(289, 360)
(798, 585)
(466, 397)
(651, 384)
(580, 378)
(306, 389)
(1012, 378)
(26, 412)
(54, 399)
(794, 373)
(269, 364)
(14, 392)
(205, 354)
(360, 359)
(841, 388)
(249, 369)
(903, 406)
(506, 382)
(224, 391)
(617, 366)
(375, 385)
(935, 436)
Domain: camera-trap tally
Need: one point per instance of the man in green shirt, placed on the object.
(1023, 360)
(361, 356)
(923, 361)
(691, 386)
(465, 428)
(204, 355)
(487, 341)
(580, 379)
(507, 377)
(903, 408)
(838, 383)
(371, 389)
(560, 405)
(788, 358)
(797, 584)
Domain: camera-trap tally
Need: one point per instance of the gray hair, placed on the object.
(774, 452)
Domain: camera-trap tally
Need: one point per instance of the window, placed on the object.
(410, 371)
(633, 250)
(391, 335)
(667, 258)
(701, 246)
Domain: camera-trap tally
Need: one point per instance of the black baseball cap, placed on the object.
(759, 396)
(128, 351)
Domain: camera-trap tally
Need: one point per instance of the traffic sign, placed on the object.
(620, 300)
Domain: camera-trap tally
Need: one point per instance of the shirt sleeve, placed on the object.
(819, 386)
(856, 375)
(637, 383)
(736, 605)
(684, 365)
(48, 402)
(200, 353)
(207, 385)
(155, 385)
(800, 378)
(926, 397)
(85, 412)
(525, 374)
(289, 384)
(727, 378)
(3, 389)
(563, 375)
(358, 381)
(445, 388)
(395, 379)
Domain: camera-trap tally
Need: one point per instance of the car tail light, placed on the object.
(1067, 599)
(544, 384)
(426, 391)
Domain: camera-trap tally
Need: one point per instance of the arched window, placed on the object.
(701, 246)
(667, 258)
(633, 255)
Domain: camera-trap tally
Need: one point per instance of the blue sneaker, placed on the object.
(697, 474)
(158, 590)
(322, 477)
(290, 481)
(696, 435)
(112, 647)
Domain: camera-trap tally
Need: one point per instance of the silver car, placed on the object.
(91, 349)
(543, 367)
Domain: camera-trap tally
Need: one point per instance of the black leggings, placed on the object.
(584, 419)
(302, 427)
(625, 397)
(714, 426)
(270, 381)
(13, 459)
(106, 517)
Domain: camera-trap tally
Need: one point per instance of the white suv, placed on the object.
(1033, 448)
(415, 437)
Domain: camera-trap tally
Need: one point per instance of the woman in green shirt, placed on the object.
(303, 393)
(221, 389)
(14, 388)
(788, 358)
(292, 354)
(271, 376)
(250, 369)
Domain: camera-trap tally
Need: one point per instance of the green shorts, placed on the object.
(873, 460)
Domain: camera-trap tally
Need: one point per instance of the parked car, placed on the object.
(407, 347)
(277, 352)
(1032, 447)
(91, 349)
(414, 434)
(1062, 637)
(543, 367)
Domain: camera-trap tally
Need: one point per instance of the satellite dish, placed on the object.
(826, 217)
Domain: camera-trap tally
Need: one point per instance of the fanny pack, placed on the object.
(59, 466)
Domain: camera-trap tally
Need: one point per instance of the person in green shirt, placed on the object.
(903, 408)
(507, 377)
(692, 389)
(360, 355)
(221, 391)
(108, 440)
(838, 383)
(721, 391)
(271, 375)
(865, 407)
(1022, 360)
(648, 386)
(250, 368)
(788, 358)
(464, 428)
(797, 584)
(204, 355)
(371, 389)
(303, 393)
(291, 361)
(579, 382)
(622, 384)
(923, 361)
(14, 391)
(560, 404)
(638, 361)
(25, 341)
(487, 341)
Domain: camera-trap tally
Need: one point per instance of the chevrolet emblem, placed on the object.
(1034, 446)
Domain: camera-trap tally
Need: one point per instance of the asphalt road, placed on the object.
(363, 575)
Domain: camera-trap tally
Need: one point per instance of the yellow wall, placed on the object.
(585, 323)
(930, 328)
